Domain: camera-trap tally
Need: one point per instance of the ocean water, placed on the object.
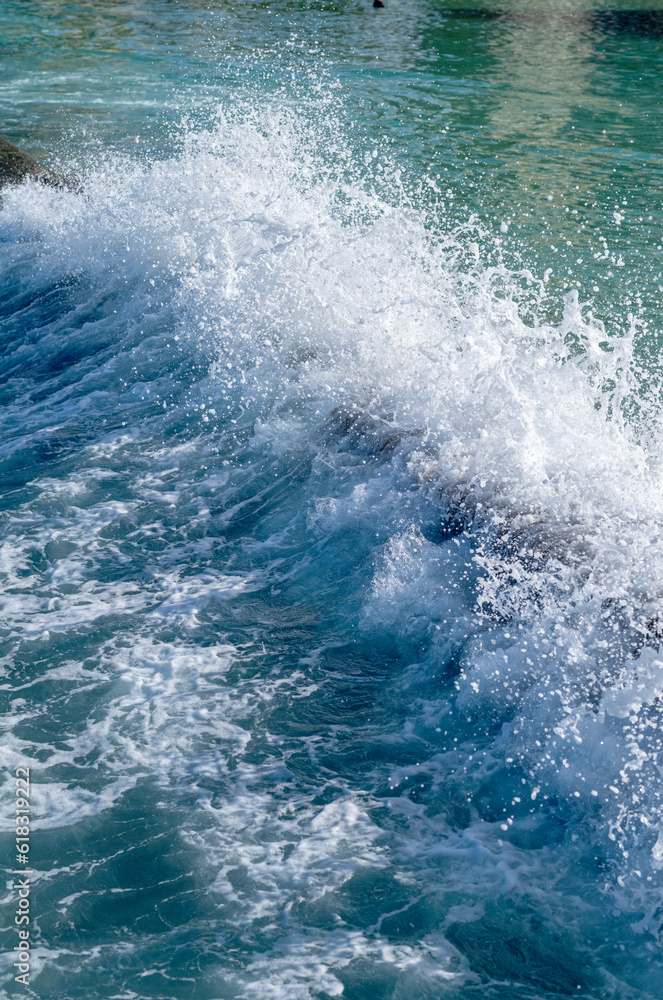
(332, 502)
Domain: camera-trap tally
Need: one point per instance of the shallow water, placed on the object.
(331, 499)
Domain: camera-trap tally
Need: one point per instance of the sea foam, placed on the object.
(270, 388)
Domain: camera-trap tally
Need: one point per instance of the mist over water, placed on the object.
(331, 513)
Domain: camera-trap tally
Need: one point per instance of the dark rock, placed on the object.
(15, 166)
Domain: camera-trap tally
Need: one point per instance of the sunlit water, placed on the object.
(332, 507)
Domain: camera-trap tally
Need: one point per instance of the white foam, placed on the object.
(347, 327)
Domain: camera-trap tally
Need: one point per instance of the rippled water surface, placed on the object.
(331, 520)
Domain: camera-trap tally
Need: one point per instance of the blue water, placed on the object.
(331, 539)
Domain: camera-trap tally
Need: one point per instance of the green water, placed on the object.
(331, 521)
(544, 118)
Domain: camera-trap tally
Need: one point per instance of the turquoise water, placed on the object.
(331, 500)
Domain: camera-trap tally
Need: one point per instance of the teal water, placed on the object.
(331, 499)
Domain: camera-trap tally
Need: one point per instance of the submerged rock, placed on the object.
(15, 166)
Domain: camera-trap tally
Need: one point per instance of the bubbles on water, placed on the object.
(358, 399)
